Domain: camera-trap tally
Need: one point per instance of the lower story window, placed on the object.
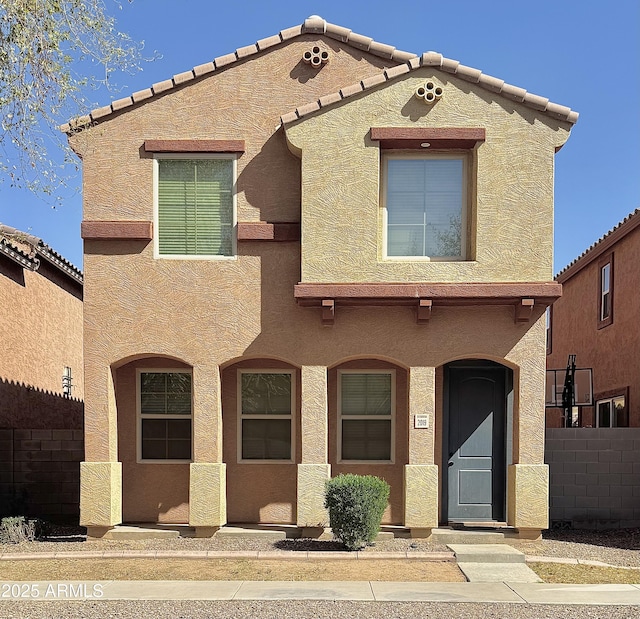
(266, 402)
(365, 410)
(612, 413)
(165, 406)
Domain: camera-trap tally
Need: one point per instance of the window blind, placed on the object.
(195, 207)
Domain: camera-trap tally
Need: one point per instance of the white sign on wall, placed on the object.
(421, 421)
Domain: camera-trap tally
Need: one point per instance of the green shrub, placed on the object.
(16, 529)
(356, 504)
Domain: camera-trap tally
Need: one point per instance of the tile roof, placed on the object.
(438, 61)
(11, 240)
(311, 25)
(619, 231)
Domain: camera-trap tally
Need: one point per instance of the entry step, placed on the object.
(486, 553)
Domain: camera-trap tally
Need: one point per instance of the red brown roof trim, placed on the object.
(436, 137)
(194, 146)
(116, 230)
(629, 223)
(265, 231)
(440, 294)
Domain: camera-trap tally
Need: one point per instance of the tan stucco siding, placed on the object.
(244, 102)
(510, 185)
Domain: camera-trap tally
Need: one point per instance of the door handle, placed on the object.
(450, 464)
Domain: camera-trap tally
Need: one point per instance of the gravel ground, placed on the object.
(293, 609)
(617, 547)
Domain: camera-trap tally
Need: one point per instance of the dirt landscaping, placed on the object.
(230, 569)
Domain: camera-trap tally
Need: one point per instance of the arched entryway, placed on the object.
(476, 440)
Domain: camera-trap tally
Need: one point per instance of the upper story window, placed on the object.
(605, 298)
(549, 326)
(267, 404)
(195, 206)
(165, 415)
(425, 206)
(366, 406)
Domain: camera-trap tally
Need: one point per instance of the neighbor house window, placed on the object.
(195, 206)
(425, 206)
(612, 413)
(549, 324)
(605, 301)
(365, 415)
(267, 403)
(165, 414)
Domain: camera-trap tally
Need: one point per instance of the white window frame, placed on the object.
(605, 292)
(241, 416)
(451, 155)
(234, 229)
(612, 415)
(139, 417)
(392, 415)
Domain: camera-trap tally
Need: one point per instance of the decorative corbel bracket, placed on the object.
(524, 310)
(328, 312)
(424, 311)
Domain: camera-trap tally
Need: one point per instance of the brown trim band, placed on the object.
(116, 230)
(543, 293)
(194, 146)
(265, 231)
(436, 137)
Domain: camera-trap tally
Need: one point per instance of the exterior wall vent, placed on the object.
(316, 57)
(430, 92)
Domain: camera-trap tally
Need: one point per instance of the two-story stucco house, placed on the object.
(312, 256)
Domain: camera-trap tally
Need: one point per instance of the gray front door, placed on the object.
(475, 460)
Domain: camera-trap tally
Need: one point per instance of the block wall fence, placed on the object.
(594, 477)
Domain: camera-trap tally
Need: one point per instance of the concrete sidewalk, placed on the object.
(515, 593)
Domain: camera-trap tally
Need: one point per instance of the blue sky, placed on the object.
(584, 54)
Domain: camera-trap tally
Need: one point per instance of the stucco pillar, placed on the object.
(421, 474)
(207, 472)
(101, 474)
(528, 475)
(314, 469)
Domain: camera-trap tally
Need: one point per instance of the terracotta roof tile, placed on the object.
(338, 32)
(181, 78)
(386, 51)
(120, 103)
(290, 33)
(223, 61)
(269, 42)
(160, 87)
(347, 91)
(374, 80)
(359, 40)
(312, 25)
(395, 71)
(248, 50)
(314, 106)
(619, 231)
(203, 69)
(141, 95)
(469, 74)
(329, 99)
(316, 24)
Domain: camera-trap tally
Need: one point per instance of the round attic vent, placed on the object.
(316, 57)
(430, 92)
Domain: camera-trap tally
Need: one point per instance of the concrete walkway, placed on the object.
(515, 593)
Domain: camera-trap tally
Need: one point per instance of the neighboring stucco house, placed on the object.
(312, 256)
(597, 320)
(41, 379)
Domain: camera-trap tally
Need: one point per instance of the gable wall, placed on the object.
(510, 223)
